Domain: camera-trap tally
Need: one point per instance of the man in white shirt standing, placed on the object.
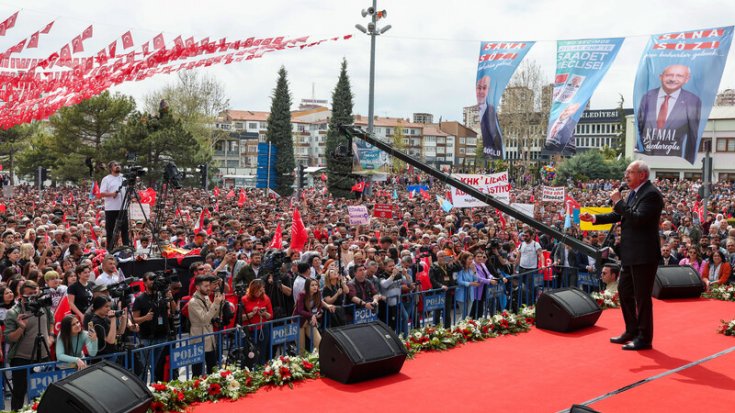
(112, 190)
(110, 274)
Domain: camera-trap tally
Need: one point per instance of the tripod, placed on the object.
(39, 343)
(130, 195)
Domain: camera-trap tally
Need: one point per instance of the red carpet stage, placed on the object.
(544, 371)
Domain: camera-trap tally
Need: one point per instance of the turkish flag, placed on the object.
(102, 56)
(230, 194)
(96, 190)
(277, 242)
(62, 310)
(189, 42)
(242, 199)
(87, 33)
(298, 232)
(424, 194)
(112, 48)
(215, 191)
(33, 42)
(9, 23)
(200, 223)
(158, 42)
(127, 40)
(358, 187)
(77, 45)
(178, 42)
(65, 53)
(145, 48)
(48, 27)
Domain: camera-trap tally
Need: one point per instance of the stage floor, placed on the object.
(544, 371)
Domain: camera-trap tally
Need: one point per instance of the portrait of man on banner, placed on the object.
(669, 116)
(491, 141)
(560, 137)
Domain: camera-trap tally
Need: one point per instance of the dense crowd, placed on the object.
(54, 244)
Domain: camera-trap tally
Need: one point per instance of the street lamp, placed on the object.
(372, 30)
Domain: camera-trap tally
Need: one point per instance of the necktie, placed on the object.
(631, 195)
(661, 119)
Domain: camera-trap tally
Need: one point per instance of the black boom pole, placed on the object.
(354, 132)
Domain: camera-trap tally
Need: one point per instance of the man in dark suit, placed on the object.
(491, 141)
(561, 134)
(639, 253)
(670, 115)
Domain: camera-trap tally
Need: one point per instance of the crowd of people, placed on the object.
(56, 244)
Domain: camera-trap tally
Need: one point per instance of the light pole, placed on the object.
(372, 30)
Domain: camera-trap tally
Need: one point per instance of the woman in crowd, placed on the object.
(27, 252)
(72, 339)
(309, 306)
(80, 293)
(335, 292)
(8, 301)
(717, 272)
(257, 308)
(466, 279)
(70, 277)
(12, 256)
(693, 259)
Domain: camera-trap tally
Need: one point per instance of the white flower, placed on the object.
(726, 296)
(232, 385)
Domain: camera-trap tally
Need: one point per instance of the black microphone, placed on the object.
(622, 188)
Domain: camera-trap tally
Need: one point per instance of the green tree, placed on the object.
(39, 152)
(80, 131)
(279, 134)
(398, 143)
(13, 142)
(339, 170)
(590, 165)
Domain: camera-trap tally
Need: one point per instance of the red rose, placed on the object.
(484, 329)
(157, 406)
(408, 345)
(285, 372)
(225, 373)
(214, 389)
(197, 383)
(504, 323)
(268, 373)
(248, 381)
(179, 395)
(307, 365)
(159, 387)
(35, 406)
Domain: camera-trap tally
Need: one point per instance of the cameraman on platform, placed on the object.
(22, 326)
(152, 311)
(113, 191)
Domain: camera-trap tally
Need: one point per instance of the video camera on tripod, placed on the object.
(123, 290)
(38, 302)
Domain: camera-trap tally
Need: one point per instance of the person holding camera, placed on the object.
(441, 274)
(202, 311)
(392, 279)
(108, 324)
(113, 192)
(152, 312)
(72, 340)
(23, 323)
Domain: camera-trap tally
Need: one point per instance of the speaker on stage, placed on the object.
(566, 309)
(359, 352)
(100, 388)
(677, 282)
(580, 408)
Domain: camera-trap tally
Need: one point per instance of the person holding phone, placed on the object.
(309, 306)
(72, 340)
(201, 312)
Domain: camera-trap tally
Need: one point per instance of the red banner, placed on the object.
(383, 211)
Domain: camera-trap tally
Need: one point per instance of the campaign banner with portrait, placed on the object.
(675, 87)
(368, 160)
(494, 184)
(552, 194)
(498, 61)
(580, 66)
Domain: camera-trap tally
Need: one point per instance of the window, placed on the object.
(725, 144)
(234, 147)
(238, 125)
(461, 141)
(252, 125)
(461, 151)
(429, 139)
(252, 148)
(726, 177)
(692, 175)
(704, 143)
(388, 131)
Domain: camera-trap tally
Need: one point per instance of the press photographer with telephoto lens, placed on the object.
(28, 329)
(152, 311)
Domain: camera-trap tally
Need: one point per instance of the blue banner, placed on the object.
(368, 159)
(266, 173)
(187, 355)
(675, 88)
(38, 382)
(498, 61)
(364, 315)
(580, 65)
(285, 333)
(433, 302)
(417, 188)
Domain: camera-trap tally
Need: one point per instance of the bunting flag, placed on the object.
(48, 27)
(277, 242)
(127, 40)
(298, 232)
(242, 199)
(8, 23)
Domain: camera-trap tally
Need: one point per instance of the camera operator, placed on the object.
(278, 288)
(105, 321)
(23, 323)
(113, 191)
(201, 313)
(248, 273)
(152, 311)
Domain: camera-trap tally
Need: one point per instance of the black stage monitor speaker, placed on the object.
(566, 309)
(359, 352)
(100, 388)
(580, 408)
(677, 282)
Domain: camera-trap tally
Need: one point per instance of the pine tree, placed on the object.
(339, 170)
(280, 135)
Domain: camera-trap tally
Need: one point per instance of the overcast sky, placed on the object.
(426, 63)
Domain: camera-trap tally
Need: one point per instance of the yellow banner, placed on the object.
(588, 226)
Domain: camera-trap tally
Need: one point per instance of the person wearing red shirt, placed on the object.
(256, 304)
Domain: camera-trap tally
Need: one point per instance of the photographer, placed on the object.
(278, 288)
(152, 312)
(441, 275)
(392, 279)
(201, 313)
(23, 323)
(105, 321)
(113, 191)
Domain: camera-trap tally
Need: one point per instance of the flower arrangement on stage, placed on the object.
(606, 299)
(727, 327)
(437, 338)
(286, 369)
(724, 292)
